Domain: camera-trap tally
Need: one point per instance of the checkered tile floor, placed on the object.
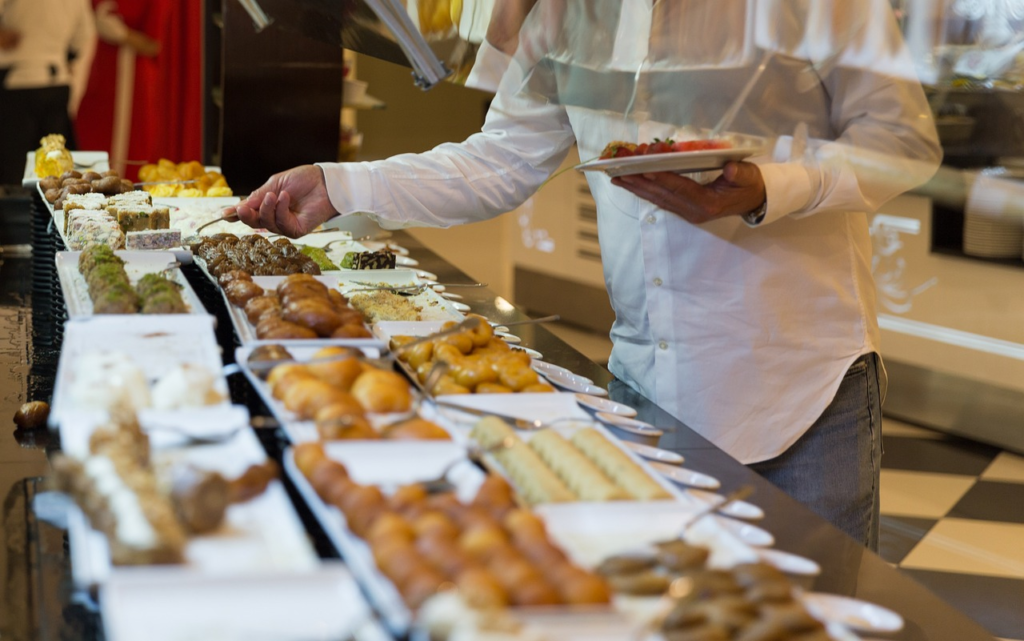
(953, 519)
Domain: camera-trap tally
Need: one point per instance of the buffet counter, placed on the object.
(39, 602)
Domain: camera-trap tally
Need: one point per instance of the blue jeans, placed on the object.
(833, 468)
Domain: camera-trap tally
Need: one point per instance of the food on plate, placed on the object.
(72, 183)
(416, 429)
(52, 157)
(478, 362)
(89, 228)
(159, 295)
(254, 254)
(382, 391)
(620, 149)
(551, 469)
(32, 415)
(269, 354)
(618, 465)
(380, 259)
(153, 239)
(384, 305)
(137, 216)
(118, 491)
(301, 307)
(200, 498)
(186, 385)
(531, 476)
(494, 554)
(319, 256)
(183, 180)
(579, 473)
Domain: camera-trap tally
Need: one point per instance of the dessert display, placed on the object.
(477, 361)
(620, 149)
(146, 512)
(319, 256)
(300, 307)
(254, 254)
(71, 183)
(552, 469)
(126, 219)
(385, 305)
(53, 157)
(107, 380)
(342, 393)
(493, 553)
(112, 292)
(381, 259)
(183, 180)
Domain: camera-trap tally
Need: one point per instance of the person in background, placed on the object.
(124, 78)
(745, 305)
(46, 51)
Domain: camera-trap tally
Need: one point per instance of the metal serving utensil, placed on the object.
(736, 495)
(474, 454)
(521, 424)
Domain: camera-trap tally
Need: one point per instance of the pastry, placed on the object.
(618, 466)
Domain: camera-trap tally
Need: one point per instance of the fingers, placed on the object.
(743, 174)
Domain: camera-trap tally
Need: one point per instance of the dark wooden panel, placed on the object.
(281, 96)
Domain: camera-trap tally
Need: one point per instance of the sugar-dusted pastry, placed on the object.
(187, 385)
(617, 465)
(576, 470)
(531, 476)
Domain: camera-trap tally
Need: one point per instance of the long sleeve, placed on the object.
(887, 142)
(83, 43)
(522, 143)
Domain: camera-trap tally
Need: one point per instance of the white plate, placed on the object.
(137, 265)
(573, 383)
(376, 245)
(156, 344)
(687, 477)
(92, 160)
(854, 613)
(258, 536)
(534, 354)
(678, 162)
(654, 453)
(512, 339)
(462, 307)
(631, 425)
(749, 534)
(449, 295)
(425, 275)
(605, 405)
(163, 605)
(544, 367)
(434, 306)
(394, 463)
(789, 563)
(736, 509)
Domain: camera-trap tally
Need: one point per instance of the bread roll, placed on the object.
(617, 465)
(576, 470)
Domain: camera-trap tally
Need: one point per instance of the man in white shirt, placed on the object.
(40, 90)
(745, 306)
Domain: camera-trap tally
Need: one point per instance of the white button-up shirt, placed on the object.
(742, 332)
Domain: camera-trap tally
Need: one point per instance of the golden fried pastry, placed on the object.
(381, 391)
(585, 589)
(308, 396)
(436, 524)
(352, 330)
(350, 427)
(534, 480)
(539, 388)
(315, 313)
(481, 589)
(577, 471)
(272, 327)
(517, 377)
(472, 371)
(339, 373)
(417, 429)
(491, 388)
(534, 592)
(446, 385)
(617, 465)
(240, 291)
(258, 306)
(390, 525)
(307, 456)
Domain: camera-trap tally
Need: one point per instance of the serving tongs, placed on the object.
(195, 237)
(407, 290)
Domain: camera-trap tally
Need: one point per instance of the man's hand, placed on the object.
(9, 39)
(292, 203)
(739, 190)
(142, 44)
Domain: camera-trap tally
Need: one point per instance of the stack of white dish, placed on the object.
(993, 228)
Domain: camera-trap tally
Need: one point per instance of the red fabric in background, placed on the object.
(167, 98)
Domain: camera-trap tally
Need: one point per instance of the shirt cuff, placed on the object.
(349, 186)
(490, 65)
(787, 189)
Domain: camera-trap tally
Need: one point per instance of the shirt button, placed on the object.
(651, 218)
(663, 345)
(657, 282)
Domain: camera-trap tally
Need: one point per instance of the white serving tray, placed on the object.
(247, 332)
(137, 265)
(299, 431)
(382, 593)
(158, 605)
(156, 343)
(97, 161)
(258, 536)
(435, 307)
(680, 162)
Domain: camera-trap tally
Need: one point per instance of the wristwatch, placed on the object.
(755, 217)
